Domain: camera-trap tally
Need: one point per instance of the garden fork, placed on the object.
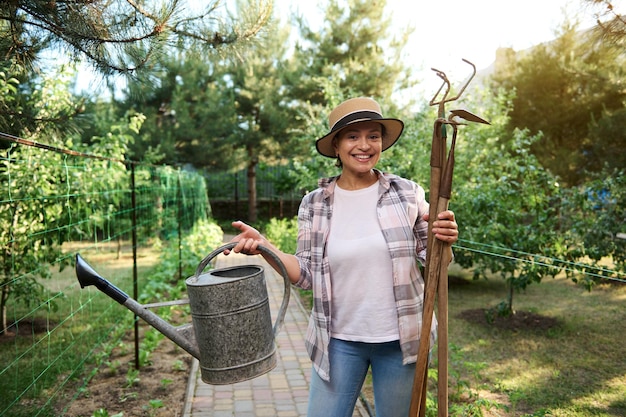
(439, 253)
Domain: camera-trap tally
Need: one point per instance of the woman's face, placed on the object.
(359, 146)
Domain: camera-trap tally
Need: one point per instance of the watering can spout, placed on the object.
(88, 276)
(183, 336)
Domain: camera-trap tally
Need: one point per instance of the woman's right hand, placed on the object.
(248, 240)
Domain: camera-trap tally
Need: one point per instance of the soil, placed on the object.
(158, 391)
(26, 327)
(519, 321)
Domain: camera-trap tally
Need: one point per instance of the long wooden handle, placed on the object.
(437, 167)
(438, 257)
(442, 335)
(421, 367)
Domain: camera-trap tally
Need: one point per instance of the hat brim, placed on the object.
(393, 130)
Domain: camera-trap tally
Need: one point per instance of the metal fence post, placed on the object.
(133, 211)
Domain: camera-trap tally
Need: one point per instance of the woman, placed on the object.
(359, 237)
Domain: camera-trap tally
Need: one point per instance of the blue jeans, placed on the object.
(349, 363)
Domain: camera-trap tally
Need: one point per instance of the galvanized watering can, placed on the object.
(231, 333)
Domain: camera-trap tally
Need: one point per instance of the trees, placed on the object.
(354, 49)
(262, 105)
(34, 219)
(562, 88)
(567, 105)
(265, 115)
(508, 204)
(116, 38)
(222, 114)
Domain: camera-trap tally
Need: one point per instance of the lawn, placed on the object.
(566, 359)
(54, 346)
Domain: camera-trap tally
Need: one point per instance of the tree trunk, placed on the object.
(252, 211)
(4, 295)
(510, 310)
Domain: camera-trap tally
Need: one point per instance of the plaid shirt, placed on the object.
(400, 208)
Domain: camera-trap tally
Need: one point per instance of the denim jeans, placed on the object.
(349, 363)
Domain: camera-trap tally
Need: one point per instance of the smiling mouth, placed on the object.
(363, 157)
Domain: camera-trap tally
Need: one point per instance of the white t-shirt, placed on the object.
(363, 306)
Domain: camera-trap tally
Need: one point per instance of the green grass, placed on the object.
(39, 366)
(577, 368)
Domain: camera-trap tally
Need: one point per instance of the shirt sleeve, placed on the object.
(420, 228)
(303, 250)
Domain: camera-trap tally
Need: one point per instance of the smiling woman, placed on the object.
(360, 235)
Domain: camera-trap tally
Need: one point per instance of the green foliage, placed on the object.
(153, 406)
(283, 233)
(410, 156)
(8, 99)
(165, 280)
(38, 103)
(592, 218)
(132, 377)
(120, 37)
(229, 114)
(32, 226)
(36, 218)
(178, 365)
(464, 401)
(604, 150)
(205, 237)
(223, 114)
(102, 412)
(353, 50)
(149, 343)
(506, 203)
(562, 88)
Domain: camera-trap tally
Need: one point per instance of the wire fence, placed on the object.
(272, 182)
(57, 203)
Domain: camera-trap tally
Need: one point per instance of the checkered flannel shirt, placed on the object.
(400, 208)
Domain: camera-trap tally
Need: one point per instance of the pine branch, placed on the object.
(110, 32)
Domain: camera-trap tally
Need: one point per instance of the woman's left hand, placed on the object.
(445, 227)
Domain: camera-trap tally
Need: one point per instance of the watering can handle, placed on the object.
(286, 292)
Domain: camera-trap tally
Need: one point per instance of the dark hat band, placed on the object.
(360, 115)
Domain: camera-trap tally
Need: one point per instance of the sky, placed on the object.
(446, 31)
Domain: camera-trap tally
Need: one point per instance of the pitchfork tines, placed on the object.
(445, 87)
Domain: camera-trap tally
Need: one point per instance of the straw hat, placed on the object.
(355, 110)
